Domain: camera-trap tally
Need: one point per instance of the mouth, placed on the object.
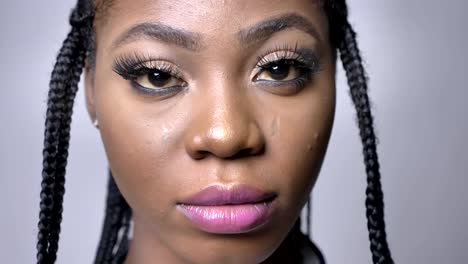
(236, 210)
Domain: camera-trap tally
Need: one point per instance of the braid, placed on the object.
(374, 201)
(117, 218)
(343, 36)
(63, 87)
(63, 84)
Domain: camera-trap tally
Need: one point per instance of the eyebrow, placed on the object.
(179, 37)
(192, 40)
(265, 29)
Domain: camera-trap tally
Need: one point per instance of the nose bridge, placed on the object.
(228, 109)
(224, 124)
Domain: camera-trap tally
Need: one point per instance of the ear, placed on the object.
(89, 90)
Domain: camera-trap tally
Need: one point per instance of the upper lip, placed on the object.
(220, 195)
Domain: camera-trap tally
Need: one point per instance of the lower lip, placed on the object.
(228, 219)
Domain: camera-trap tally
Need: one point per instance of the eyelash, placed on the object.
(134, 66)
(304, 59)
(131, 67)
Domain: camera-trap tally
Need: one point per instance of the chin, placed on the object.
(235, 249)
(230, 256)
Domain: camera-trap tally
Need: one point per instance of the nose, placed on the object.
(224, 126)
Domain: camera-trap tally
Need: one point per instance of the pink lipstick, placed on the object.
(235, 210)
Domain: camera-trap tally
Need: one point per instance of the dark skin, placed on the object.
(221, 120)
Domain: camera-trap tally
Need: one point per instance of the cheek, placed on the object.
(299, 139)
(141, 143)
(134, 156)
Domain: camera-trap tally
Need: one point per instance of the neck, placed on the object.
(289, 251)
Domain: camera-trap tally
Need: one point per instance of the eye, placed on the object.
(282, 70)
(152, 76)
(158, 79)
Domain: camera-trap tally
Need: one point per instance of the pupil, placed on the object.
(279, 71)
(159, 78)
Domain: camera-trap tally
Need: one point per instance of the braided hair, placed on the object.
(113, 245)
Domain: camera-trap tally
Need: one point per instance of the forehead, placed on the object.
(211, 18)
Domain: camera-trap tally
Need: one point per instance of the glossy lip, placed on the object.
(219, 195)
(220, 210)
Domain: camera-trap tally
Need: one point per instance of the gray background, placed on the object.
(416, 56)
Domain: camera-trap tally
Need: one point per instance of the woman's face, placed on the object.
(215, 117)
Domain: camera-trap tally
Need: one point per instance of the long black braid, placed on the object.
(374, 195)
(63, 88)
(113, 245)
(344, 36)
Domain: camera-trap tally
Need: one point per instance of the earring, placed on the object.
(96, 123)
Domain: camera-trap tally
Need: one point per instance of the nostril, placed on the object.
(243, 153)
(247, 152)
(201, 154)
